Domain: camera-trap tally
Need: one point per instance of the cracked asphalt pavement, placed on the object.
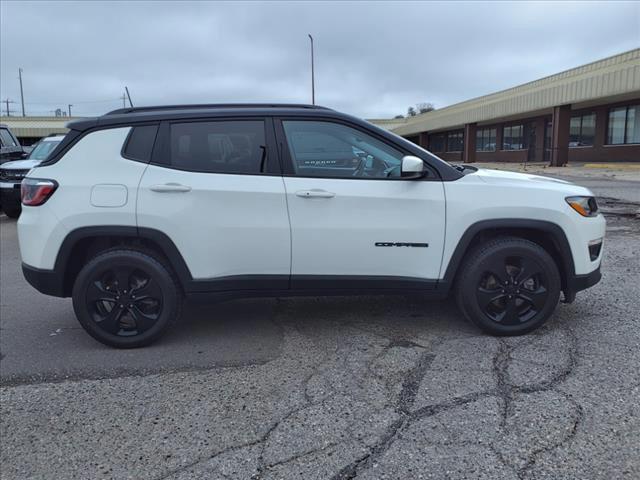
(329, 388)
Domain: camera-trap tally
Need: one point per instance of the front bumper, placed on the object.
(577, 283)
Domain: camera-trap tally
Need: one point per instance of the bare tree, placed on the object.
(399, 116)
(411, 112)
(425, 107)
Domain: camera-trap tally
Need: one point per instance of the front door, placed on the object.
(355, 223)
(215, 188)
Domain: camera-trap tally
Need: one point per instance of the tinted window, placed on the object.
(455, 142)
(486, 140)
(436, 143)
(7, 139)
(582, 129)
(325, 149)
(141, 142)
(513, 137)
(624, 125)
(219, 147)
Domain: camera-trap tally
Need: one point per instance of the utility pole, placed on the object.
(123, 98)
(313, 85)
(7, 102)
(21, 92)
(70, 109)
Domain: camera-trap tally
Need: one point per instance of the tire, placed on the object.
(521, 305)
(12, 211)
(132, 316)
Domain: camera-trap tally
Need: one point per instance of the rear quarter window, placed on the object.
(140, 143)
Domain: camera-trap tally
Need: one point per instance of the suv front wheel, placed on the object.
(509, 286)
(126, 298)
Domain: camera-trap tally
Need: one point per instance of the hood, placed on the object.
(499, 176)
(20, 164)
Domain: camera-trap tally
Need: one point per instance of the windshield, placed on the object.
(42, 150)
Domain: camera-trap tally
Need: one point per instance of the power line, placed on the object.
(76, 102)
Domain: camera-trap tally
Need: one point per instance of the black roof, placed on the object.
(132, 115)
(213, 106)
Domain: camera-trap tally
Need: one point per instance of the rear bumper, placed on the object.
(48, 282)
(577, 283)
(9, 192)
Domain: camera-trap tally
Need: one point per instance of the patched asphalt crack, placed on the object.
(504, 390)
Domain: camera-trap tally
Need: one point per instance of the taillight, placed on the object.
(36, 191)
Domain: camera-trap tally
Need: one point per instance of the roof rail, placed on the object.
(153, 108)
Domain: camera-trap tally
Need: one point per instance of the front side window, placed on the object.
(219, 147)
(582, 129)
(624, 125)
(326, 149)
(486, 140)
(513, 137)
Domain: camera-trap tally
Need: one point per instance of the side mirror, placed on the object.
(412, 167)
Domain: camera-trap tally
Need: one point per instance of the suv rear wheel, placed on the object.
(126, 298)
(508, 286)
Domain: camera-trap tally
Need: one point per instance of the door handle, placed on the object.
(315, 194)
(169, 187)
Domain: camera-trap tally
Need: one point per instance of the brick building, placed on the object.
(586, 114)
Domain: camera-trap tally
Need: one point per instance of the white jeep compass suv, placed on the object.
(142, 206)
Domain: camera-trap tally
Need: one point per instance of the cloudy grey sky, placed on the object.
(372, 59)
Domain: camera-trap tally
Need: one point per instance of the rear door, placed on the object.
(215, 188)
(355, 223)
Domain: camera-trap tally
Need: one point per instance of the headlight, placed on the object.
(585, 206)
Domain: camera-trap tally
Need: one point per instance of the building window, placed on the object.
(436, 143)
(455, 142)
(513, 137)
(624, 125)
(486, 140)
(582, 129)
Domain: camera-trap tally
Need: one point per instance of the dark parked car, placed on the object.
(10, 148)
(12, 173)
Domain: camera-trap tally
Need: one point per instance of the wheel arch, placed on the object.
(83, 243)
(548, 235)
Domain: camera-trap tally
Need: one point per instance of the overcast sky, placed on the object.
(372, 59)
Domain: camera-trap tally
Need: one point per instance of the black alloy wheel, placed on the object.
(126, 298)
(508, 286)
(512, 289)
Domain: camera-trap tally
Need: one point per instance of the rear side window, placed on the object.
(219, 147)
(140, 143)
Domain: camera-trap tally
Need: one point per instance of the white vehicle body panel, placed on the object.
(224, 225)
(493, 195)
(94, 160)
(337, 235)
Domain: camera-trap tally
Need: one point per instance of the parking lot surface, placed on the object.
(366, 387)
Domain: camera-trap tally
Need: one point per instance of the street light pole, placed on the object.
(70, 109)
(313, 86)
